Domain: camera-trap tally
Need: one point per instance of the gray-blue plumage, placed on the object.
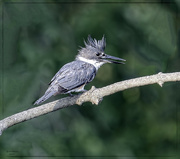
(70, 77)
(73, 76)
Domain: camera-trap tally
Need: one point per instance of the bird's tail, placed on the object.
(47, 95)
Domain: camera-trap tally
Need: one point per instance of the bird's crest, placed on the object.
(100, 44)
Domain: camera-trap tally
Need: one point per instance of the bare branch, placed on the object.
(93, 95)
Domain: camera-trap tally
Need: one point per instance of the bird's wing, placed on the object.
(55, 76)
(74, 75)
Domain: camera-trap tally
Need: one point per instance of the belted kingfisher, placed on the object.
(73, 76)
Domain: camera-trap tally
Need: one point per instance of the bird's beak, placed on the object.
(112, 59)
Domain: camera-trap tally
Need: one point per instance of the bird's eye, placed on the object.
(98, 54)
(103, 54)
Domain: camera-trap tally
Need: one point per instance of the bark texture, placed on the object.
(94, 95)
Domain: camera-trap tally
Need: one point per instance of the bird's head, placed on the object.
(94, 51)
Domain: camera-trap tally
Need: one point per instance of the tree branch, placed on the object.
(94, 96)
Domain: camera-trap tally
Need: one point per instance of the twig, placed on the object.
(94, 96)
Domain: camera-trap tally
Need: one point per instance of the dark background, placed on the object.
(39, 38)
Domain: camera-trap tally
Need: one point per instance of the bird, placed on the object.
(73, 76)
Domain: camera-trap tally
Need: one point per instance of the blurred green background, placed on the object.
(39, 38)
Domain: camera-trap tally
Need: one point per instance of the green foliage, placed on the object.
(39, 38)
